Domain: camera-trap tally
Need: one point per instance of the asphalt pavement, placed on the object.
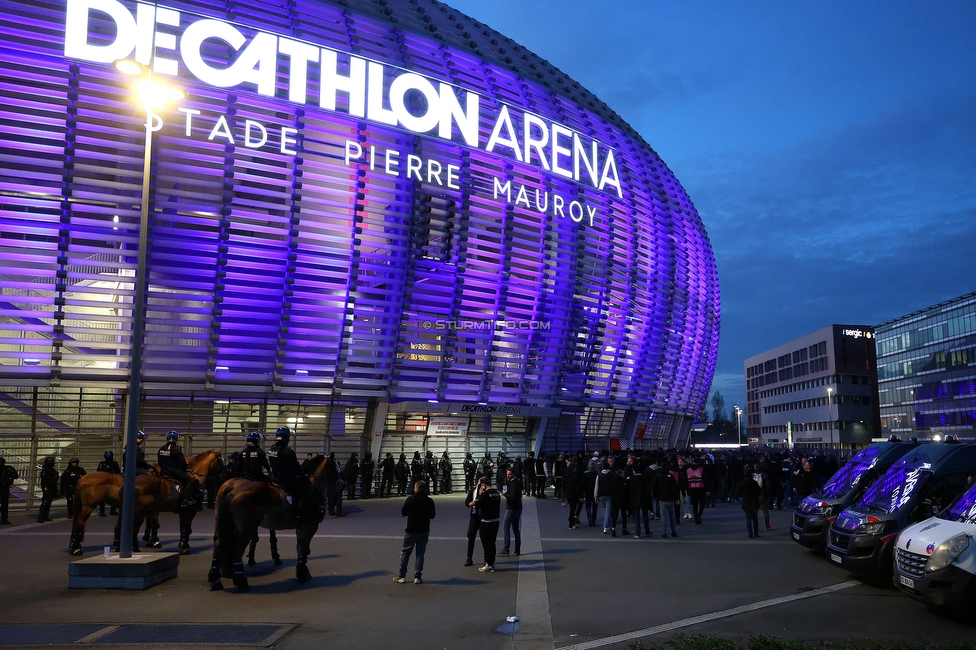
(568, 589)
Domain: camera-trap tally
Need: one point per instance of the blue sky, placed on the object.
(829, 147)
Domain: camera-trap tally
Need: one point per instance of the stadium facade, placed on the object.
(379, 222)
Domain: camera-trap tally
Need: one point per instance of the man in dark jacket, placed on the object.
(69, 478)
(669, 496)
(49, 489)
(288, 472)
(387, 469)
(254, 462)
(419, 510)
(417, 471)
(110, 465)
(489, 506)
(470, 472)
(7, 477)
(603, 491)
(571, 491)
(529, 480)
(402, 473)
(751, 493)
(587, 486)
(619, 501)
(474, 521)
(512, 491)
(366, 470)
(430, 471)
(352, 473)
(447, 470)
(172, 463)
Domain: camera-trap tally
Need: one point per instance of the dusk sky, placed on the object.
(829, 147)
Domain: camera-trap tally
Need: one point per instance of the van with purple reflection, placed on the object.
(921, 483)
(935, 560)
(814, 515)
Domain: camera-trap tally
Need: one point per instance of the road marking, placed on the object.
(94, 636)
(705, 618)
(532, 595)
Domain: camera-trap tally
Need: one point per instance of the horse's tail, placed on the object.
(225, 532)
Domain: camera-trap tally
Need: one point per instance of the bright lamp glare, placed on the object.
(128, 66)
(153, 94)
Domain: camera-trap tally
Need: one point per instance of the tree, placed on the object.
(718, 408)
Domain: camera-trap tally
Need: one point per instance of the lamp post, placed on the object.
(738, 422)
(830, 416)
(151, 94)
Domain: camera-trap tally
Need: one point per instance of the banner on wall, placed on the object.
(447, 426)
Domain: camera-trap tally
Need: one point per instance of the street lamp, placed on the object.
(830, 416)
(738, 423)
(151, 95)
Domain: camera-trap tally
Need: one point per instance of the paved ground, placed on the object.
(570, 588)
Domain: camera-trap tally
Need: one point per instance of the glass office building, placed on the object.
(927, 371)
(366, 218)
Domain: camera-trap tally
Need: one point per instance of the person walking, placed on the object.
(419, 510)
(512, 491)
(474, 521)
(750, 492)
(603, 490)
(489, 508)
(668, 496)
(7, 477)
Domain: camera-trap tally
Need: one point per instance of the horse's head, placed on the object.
(208, 464)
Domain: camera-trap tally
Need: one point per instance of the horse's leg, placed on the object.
(240, 580)
(186, 527)
(152, 529)
(136, 525)
(302, 546)
(82, 513)
(214, 576)
(250, 549)
(274, 548)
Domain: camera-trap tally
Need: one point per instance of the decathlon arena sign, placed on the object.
(165, 37)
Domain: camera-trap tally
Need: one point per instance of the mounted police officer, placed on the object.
(142, 467)
(110, 465)
(172, 463)
(254, 462)
(288, 472)
(69, 478)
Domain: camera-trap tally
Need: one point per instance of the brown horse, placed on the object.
(244, 505)
(156, 494)
(93, 489)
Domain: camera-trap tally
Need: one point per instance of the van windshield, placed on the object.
(848, 476)
(898, 485)
(964, 509)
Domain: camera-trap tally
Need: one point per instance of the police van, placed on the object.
(815, 514)
(862, 537)
(935, 560)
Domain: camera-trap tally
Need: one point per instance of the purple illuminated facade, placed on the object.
(291, 263)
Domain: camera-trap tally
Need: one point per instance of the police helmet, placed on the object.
(253, 438)
(950, 439)
(109, 455)
(141, 435)
(49, 461)
(73, 461)
(283, 432)
(173, 435)
(894, 438)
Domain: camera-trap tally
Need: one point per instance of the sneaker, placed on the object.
(637, 536)
(573, 527)
(665, 536)
(674, 534)
(399, 579)
(606, 531)
(518, 552)
(769, 526)
(468, 562)
(504, 552)
(418, 581)
(626, 532)
(613, 533)
(488, 568)
(6, 523)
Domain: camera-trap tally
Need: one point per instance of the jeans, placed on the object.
(410, 541)
(752, 523)
(488, 531)
(513, 524)
(667, 516)
(605, 502)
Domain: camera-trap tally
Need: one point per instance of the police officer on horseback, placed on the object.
(172, 463)
(111, 466)
(254, 462)
(142, 467)
(288, 472)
